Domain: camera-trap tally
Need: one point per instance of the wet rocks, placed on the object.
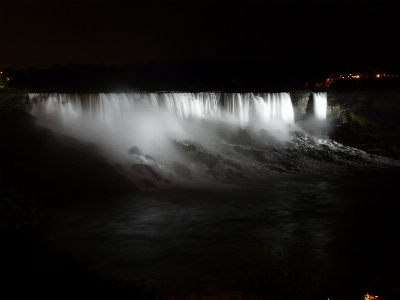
(134, 150)
(297, 134)
(194, 152)
(233, 164)
(181, 170)
(233, 174)
(266, 137)
(146, 171)
(147, 176)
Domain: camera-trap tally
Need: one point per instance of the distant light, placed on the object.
(377, 75)
(370, 297)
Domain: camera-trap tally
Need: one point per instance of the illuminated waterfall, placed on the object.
(246, 109)
(118, 121)
(320, 103)
(261, 108)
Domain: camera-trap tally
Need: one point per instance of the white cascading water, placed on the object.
(320, 104)
(252, 109)
(119, 121)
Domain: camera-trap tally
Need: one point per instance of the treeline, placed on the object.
(202, 75)
(367, 84)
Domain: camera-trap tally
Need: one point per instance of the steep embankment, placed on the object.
(368, 120)
(48, 167)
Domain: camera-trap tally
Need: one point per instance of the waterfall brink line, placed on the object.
(245, 109)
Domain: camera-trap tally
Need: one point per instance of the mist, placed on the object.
(163, 129)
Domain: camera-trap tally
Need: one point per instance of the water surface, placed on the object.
(301, 235)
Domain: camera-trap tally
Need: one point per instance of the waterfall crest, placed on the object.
(242, 108)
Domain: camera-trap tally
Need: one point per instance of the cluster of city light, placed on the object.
(385, 75)
(350, 76)
(371, 297)
(332, 78)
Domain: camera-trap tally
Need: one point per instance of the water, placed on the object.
(150, 121)
(200, 136)
(295, 236)
(271, 210)
(320, 104)
(242, 108)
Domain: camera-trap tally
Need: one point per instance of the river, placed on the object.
(316, 236)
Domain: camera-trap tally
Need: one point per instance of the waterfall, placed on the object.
(245, 109)
(119, 121)
(320, 103)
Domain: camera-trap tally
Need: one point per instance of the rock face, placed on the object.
(364, 100)
(388, 101)
(12, 100)
(369, 120)
(134, 150)
(181, 170)
(300, 101)
(147, 175)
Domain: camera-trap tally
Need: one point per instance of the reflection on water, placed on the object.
(310, 235)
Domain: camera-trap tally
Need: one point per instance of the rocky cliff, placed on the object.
(365, 119)
(369, 120)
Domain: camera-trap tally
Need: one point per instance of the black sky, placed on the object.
(43, 33)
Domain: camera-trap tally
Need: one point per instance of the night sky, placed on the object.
(43, 33)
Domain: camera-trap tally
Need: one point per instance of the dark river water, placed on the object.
(318, 236)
